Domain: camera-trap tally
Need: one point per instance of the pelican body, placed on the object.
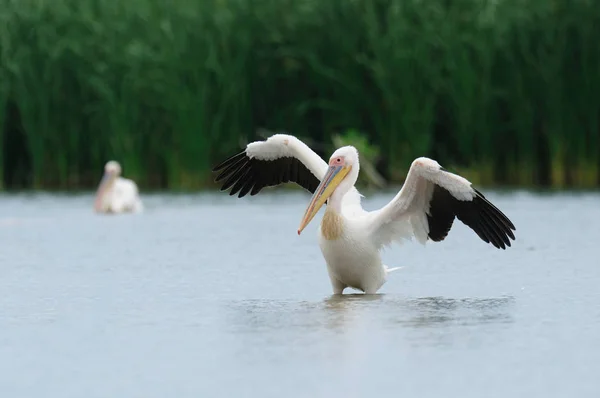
(351, 238)
(116, 194)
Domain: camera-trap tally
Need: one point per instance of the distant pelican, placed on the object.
(116, 194)
(350, 238)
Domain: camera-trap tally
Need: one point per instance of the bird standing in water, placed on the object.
(350, 237)
(117, 194)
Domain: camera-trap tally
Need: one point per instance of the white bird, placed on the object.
(350, 237)
(117, 194)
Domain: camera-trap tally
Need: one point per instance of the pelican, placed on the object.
(351, 238)
(117, 194)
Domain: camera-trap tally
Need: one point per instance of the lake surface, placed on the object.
(212, 296)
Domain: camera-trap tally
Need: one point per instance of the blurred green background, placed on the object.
(505, 92)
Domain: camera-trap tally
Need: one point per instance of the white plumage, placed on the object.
(117, 194)
(350, 237)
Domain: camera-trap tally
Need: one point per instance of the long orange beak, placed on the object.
(330, 182)
(104, 184)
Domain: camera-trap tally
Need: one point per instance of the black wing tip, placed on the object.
(248, 175)
(436, 239)
(503, 216)
(500, 234)
(503, 245)
(219, 166)
(490, 224)
(226, 162)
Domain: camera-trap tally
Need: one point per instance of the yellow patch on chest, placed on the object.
(331, 226)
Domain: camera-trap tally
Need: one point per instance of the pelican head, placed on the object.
(112, 170)
(341, 163)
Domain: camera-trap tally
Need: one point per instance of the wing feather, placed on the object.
(430, 200)
(281, 158)
(231, 164)
(229, 161)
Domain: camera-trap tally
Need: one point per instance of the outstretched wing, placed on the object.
(281, 158)
(428, 203)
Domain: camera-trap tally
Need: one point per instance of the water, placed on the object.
(211, 296)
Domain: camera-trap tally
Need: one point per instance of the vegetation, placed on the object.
(504, 91)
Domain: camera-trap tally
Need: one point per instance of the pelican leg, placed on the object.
(338, 287)
(371, 290)
(372, 286)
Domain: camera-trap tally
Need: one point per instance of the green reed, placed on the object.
(504, 91)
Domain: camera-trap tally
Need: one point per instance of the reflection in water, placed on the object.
(339, 313)
(345, 300)
(434, 311)
(341, 310)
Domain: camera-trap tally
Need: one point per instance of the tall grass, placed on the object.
(505, 91)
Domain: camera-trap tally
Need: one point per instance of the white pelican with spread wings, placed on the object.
(350, 237)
